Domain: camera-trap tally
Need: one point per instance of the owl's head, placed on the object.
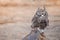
(41, 12)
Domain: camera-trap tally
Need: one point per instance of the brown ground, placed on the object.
(22, 21)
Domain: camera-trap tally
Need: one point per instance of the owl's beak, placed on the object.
(42, 15)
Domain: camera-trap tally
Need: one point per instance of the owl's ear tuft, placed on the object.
(44, 8)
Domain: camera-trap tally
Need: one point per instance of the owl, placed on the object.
(40, 18)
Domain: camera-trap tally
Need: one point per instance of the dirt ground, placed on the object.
(17, 24)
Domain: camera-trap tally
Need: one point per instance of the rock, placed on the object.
(33, 35)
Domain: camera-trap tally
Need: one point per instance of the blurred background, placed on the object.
(16, 15)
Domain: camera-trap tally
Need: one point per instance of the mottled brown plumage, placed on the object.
(40, 19)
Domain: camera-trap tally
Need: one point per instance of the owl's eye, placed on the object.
(44, 13)
(39, 15)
